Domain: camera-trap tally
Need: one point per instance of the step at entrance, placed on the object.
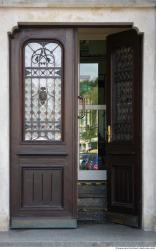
(92, 202)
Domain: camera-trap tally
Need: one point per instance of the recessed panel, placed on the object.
(42, 187)
(122, 185)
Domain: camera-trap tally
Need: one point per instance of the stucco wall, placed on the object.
(80, 3)
(144, 19)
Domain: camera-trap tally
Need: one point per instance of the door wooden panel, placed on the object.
(42, 186)
(122, 183)
(123, 150)
(43, 125)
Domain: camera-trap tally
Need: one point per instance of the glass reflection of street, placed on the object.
(88, 126)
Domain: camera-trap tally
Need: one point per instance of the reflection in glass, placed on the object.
(43, 78)
(90, 132)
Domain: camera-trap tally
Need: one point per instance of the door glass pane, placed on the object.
(89, 82)
(42, 90)
(122, 82)
(92, 127)
(89, 123)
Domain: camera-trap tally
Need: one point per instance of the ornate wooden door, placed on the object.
(123, 148)
(43, 125)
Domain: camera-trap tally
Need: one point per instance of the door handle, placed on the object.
(109, 134)
(82, 99)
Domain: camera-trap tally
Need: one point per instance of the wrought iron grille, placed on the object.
(122, 81)
(43, 80)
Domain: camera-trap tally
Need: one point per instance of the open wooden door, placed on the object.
(123, 149)
(43, 125)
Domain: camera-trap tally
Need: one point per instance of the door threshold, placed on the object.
(35, 223)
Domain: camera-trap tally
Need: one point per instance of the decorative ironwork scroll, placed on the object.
(43, 80)
(122, 90)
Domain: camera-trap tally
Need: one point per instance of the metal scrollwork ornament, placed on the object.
(42, 95)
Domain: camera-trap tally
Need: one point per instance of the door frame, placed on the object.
(76, 25)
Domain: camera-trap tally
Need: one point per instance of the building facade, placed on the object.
(18, 15)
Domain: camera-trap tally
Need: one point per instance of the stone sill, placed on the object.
(78, 3)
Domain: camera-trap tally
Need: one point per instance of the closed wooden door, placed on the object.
(43, 125)
(123, 148)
